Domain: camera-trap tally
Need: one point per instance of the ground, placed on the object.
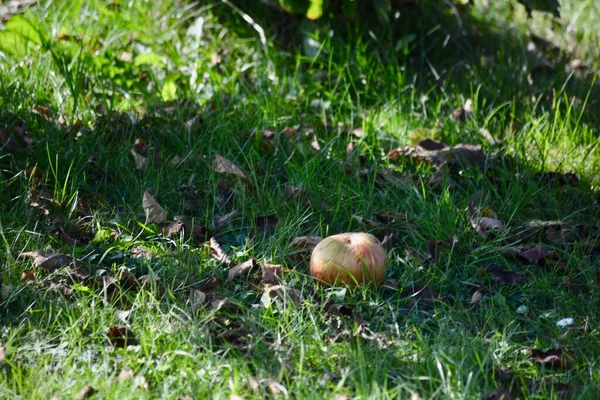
(166, 168)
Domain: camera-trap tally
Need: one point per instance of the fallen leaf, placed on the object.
(534, 255)
(224, 305)
(121, 337)
(344, 311)
(282, 292)
(197, 298)
(305, 243)
(2, 353)
(271, 274)
(266, 224)
(155, 214)
(431, 145)
(181, 225)
(222, 165)
(566, 233)
(223, 220)
(235, 397)
(210, 284)
(476, 298)
(217, 252)
(554, 358)
(241, 270)
(48, 261)
(502, 276)
(27, 276)
(139, 152)
(85, 393)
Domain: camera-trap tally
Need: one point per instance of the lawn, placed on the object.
(166, 168)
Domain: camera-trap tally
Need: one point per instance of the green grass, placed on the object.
(138, 61)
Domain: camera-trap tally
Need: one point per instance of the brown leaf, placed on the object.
(485, 225)
(565, 233)
(502, 276)
(431, 145)
(241, 270)
(222, 165)
(48, 261)
(121, 337)
(305, 243)
(344, 311)
(139, 152)
(155, 214)
(554, 358)
(534, 255)
(2, 353)
(476, 298)
(283, 292)
(223, 220)
(85, 393)
(224, 305)
(271, 274)
(27, 276)
(266, 224)
(210, 284)
(218, 254)
(488, 136)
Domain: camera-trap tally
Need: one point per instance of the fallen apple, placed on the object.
(349, 258)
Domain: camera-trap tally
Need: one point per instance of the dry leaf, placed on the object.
(554, 358)
(283, 293)
(48, 261)
(266, 224)
(139, 152)
(502, 276)
(476, 298)
(155, 214)
(217, 252)
(223, 220)
(241, 270)
(305, 243)
(222, 165)
(27, 276)
(121, 337)
(2, 353)
(271, 274)
(488, 136)
(459, 114)
(534, 255)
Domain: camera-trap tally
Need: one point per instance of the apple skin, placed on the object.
(349, 258)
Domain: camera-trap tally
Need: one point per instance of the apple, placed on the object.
(349, 258)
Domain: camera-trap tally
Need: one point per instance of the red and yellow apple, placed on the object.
(349, 258)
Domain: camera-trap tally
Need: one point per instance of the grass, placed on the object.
(112, 73)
